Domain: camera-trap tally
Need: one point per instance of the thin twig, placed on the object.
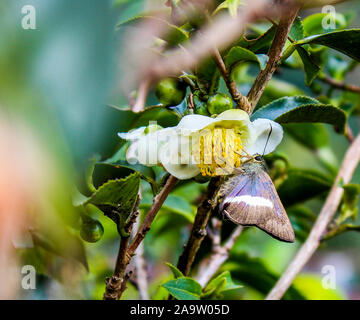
(140, 101)
(286, 21)
(210, 266)
(339, 85)
(145, 226)
(117, 283)
(240, 100)
(198, 231)
(140, 267)
(350, 162)
(218, 34)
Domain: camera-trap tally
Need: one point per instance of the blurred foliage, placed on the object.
(61, 79)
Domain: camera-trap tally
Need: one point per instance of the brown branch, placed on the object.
(140, 267)
(339, 85)
(198, 231)
(140, 101)
(349, 164)
(219, 34)
(286, 21)
(145, 226)
(117, 283)
(210, 266)
(240, 100)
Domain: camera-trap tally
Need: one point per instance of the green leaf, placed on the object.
(303, 185)
(313, 24)
(302, 109)
(259, 43)
(176, 272)
(116, 198)
(183, 288)
(174, 34)
(238, 54)
(346, 41)
(310, 67)
(350, 200)
(297, 30)
(218, 285)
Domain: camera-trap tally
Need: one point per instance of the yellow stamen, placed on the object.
(217, 151)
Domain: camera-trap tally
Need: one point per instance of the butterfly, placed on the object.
(250, 198)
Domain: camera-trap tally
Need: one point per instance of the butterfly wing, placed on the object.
(253, 201)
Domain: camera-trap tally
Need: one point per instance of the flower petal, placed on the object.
(192, 123)
(233, 114)
(265, 135)
(133, 134)
(176, 158)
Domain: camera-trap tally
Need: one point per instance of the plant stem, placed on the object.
(140, 101)
(339, 85)
(149, 218)
(349, 164)
(198, 231)
(240, 100)
(286, 21)
(117, 283)
(210, 266)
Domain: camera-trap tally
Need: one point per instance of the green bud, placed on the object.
(170, 91)
(91, 230)
(219, 103)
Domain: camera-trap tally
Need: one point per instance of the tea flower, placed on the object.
(201, 144)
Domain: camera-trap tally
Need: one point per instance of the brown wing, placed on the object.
(254, 202)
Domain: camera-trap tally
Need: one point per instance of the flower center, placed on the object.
(217, 151)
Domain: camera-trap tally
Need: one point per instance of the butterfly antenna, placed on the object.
(267, 140)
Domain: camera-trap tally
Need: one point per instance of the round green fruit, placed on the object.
(170, 91)
(91, 231)
(218, 103)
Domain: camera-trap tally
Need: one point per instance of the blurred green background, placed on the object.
(60, 78)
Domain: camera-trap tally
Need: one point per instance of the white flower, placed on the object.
(201, 144)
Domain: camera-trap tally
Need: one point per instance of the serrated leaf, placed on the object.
(117, 192)
(174, 34)
(303, 185)
(176, 272)
(239, 54)
(302, 109)
(183, 288)
(116, 198)
(345, 41)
